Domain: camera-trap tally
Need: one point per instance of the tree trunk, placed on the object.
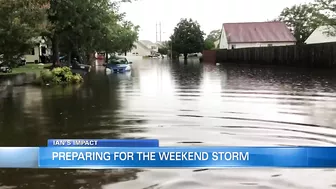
(90, 58)
(185, 56)
(125, 53)
(55, 50)
(106, 57)
(69, 58)
(83, 59)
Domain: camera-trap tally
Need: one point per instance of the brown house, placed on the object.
(255, 34)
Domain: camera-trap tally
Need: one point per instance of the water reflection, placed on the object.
(32, 115)
(179, 104)
(60, 179)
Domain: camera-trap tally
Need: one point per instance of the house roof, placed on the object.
(320, 35)
(258, 32)
(147, 43)
(159, 44)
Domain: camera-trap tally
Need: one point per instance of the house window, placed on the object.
(233, 46)
(135, 47)
(153, 47)
(33, 52)
(269, 45)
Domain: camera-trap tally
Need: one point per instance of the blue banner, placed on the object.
(167, 157)
(19, 157)
(103, 143)
(188, 157)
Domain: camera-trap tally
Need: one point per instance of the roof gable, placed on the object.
(320, 35)
(258, 32)
(147, 43)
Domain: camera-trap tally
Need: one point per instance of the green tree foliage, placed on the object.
(301, 19)
(187, 37)
(164, 48)
(209, 44)
(73, 27)
(214, 35)
(128, 34)
(21, 22)
(83, 26)
(211, 39)
(327, 14)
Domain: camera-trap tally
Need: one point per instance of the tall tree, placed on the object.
(211, 39)
(76, 23)
(128, 35)
(164, 48)
(214, 35)
(74, 27)
(301, 19)
(83, 26)
(21, 22)
(187, 37)
(209, 44)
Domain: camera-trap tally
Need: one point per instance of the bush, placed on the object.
(46, 76)
(60, 75)
(77, 78)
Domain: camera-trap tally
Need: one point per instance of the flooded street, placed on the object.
(181, 105)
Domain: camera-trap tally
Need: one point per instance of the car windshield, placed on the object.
(118, 60)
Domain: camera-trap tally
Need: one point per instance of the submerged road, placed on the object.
(181, 105)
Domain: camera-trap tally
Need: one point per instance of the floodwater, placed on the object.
(181, 105)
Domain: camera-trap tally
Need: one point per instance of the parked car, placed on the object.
(21, 61)
(118, 64)
(5, 69)
(75, 64)
(17, 60)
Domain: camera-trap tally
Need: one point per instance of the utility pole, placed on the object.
(171, 53)
(160, 32)
(156, 32)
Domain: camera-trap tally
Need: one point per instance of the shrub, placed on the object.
(60, 75)
(77, 78)
(46, 76)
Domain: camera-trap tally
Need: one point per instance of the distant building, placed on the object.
(144, 48)
(160, 44)
(320, 35)
(255, 34)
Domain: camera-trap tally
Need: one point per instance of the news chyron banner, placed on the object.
(106, 154)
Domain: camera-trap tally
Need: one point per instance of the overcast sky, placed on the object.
(210, 14)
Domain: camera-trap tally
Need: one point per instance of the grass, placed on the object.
(28, 68)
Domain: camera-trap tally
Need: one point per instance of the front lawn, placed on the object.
(28, 68)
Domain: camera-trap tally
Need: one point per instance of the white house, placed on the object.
(216, 43)
(40, 49)
(33, 55)
(255, 34)
(320, 35)
(144, 48)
